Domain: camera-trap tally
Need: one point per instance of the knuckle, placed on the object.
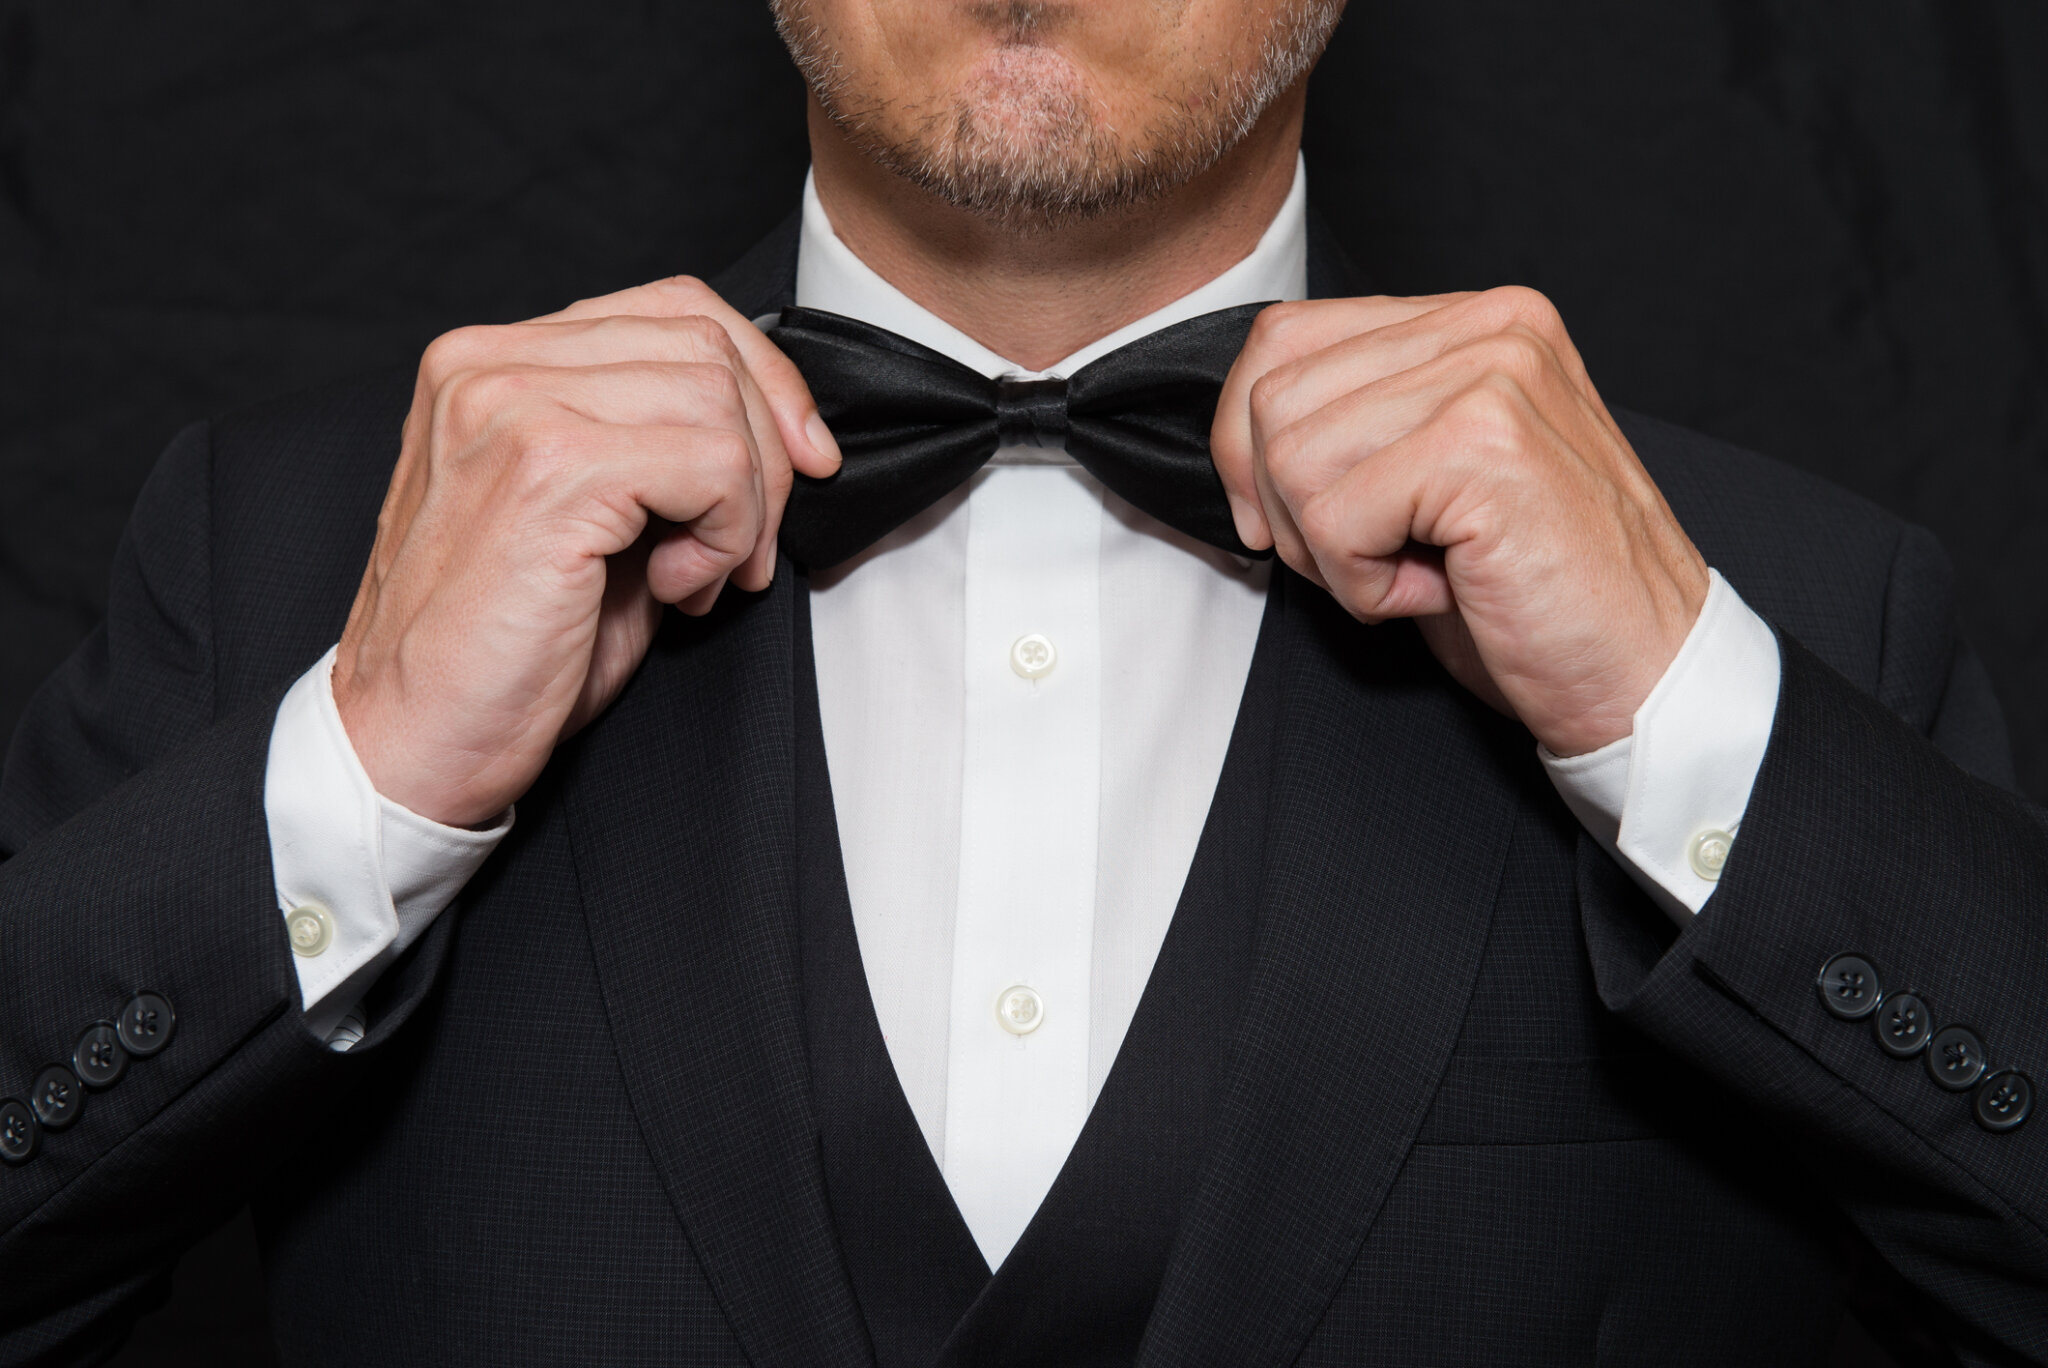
(1321, 522)
(716, 391)
(687, 288)
(1285, 453)
(1489, 410)
(1277, 325)
(1518, 353)
(546, 453)
(454, 352)
(1523, 301)
(705, 337)
(729, 457)
(460, 405)
(473, 400)
(608, 326)
(1264, 399)
(1269, 398)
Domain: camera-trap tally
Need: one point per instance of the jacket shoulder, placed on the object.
(1814, 559)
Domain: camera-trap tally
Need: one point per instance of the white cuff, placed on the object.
(1667, 800)
(358, 876)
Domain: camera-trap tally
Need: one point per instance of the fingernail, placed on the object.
(1246, 522)
(821, 436)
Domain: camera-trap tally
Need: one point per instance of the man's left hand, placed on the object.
(1448, 459)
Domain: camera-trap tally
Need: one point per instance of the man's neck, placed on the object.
(1036, 294)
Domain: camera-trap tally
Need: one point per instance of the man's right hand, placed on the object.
(558, 482)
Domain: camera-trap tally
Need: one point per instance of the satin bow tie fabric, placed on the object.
(914, 424)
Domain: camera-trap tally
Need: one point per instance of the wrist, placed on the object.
(1587, 733)
(401, 769)
(1603, 708)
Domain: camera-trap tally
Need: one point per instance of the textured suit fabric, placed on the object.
(1481, 1103)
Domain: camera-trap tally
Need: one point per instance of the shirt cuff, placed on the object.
(358, 877)
(1667, 800)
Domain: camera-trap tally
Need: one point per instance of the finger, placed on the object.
(1485, 461)
(1518, 317)
(1302, 356)
(627, 620)
(1276, 517)
(770, 472)
(575, 342)
(769, 418)
(1233, 448)
(626, 393)
(1281, 334)
(670, 297)
(804, 434)
(718, 394)
(699, 603)
(758, 571)
(811, 446)
(614, 480)
(1303, 457)
(716, 502)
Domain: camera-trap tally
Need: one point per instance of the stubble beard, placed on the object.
(1025, 144)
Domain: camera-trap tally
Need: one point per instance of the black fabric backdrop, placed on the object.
(1819, 229)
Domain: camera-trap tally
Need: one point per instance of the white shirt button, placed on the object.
(1020, 1009)
(1708, 852)
(1032, 656)
(311, 929)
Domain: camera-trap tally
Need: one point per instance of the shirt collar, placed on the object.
(830, 277)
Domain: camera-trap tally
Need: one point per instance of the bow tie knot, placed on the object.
(1031, 413)
(914, 424)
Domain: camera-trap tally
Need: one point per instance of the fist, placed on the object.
(1448, 459)
(558, 482)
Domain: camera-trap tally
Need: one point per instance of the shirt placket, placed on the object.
(1017, 1066)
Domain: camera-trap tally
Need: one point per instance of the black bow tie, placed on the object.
(913, 424)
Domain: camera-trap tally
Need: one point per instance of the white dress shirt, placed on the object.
(1026, 695)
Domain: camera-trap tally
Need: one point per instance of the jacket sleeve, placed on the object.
(1880, 828)
(137, 879)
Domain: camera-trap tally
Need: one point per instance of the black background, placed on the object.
(1819, 229)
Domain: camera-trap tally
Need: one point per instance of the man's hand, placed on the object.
(558, 482)
(1448, 459)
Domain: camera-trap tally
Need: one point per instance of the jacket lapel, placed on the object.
(1332, 274)
(682, 819)
(1393, 797)
(764, 280)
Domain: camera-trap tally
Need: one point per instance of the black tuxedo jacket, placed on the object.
(1482, 1103)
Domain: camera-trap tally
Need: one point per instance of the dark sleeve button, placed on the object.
(1903, 1025)
(19, 1134)
(1955, 1057)
(1849, 988)
(146, 1024)
(99, 1058)
(56, 1098)
(2004, 1100)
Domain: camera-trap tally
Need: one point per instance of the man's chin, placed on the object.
(1028, 89)
(1020, 138)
